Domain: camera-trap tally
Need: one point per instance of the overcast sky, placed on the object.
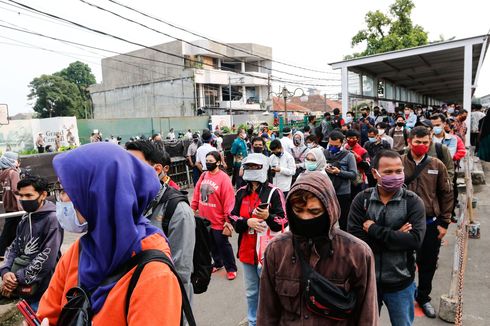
(307, 33)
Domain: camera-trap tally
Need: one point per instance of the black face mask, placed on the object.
(258, 149)
(278, 154)
(400, 124)
(364, 115)
(30, 206)
(211, 166)
(317, 227)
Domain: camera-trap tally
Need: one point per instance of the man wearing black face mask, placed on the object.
(365, 123)
(338, 258)
(342, 170)
(258, 146)
(31, 259)
(400, 135)
(169, 210)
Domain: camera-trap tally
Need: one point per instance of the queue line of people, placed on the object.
(371, 266)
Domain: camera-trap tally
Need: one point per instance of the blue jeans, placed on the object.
(400, 305)
(252, 284)
(34, 305)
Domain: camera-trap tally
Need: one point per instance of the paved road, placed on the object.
(224, 303)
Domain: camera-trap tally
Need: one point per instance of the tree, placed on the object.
(55, 96)
(78, 73)
(64, 93)
(389, 32)
(81, 75)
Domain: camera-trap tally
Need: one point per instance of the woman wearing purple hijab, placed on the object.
(104, 191)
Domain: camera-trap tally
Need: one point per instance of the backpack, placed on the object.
(201, 259)
(405, 134)
(78, 310)
(439, 153)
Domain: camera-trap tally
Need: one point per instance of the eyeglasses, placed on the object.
(59, 192)
(252, 166)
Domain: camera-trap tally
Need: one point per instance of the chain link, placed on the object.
(462, 239)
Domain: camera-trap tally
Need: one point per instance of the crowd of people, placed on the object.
(334, 220)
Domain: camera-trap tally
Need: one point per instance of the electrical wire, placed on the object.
(148, 47)
(195, 45)
(217, 42)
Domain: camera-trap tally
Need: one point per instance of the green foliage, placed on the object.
(389, 32)
(225, 130)
(55, 96)
(28, 152)
(66, 148)
(64, 93)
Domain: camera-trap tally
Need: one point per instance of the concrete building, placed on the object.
(485, 101)
(178, 79)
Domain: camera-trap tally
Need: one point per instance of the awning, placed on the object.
(444, 71)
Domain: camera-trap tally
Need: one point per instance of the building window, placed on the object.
(231, 66)
(211, 96)
(236, 93)
(251, 94)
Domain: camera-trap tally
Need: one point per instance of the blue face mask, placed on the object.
(333, 149)
(310, 165)
(372, 139)
(437, 130)
(67, 217)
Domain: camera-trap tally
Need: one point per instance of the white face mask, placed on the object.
(381, 132)
(67, 217)
(255, 175)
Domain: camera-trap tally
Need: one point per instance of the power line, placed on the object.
(149, 59)
(217, 42)
(195, 45)
(144, 46)
(26, 45)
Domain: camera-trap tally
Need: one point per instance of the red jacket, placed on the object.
(460, 149)
(361, 154)
(245, 203)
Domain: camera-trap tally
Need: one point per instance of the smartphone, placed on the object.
(263, 205)
(28, 313)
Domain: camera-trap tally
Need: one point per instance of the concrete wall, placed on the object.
(164, 98)
(124, 70)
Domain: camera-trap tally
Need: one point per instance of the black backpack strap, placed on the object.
(417, 171)
(366, 198)
(143, 258)
(439, 153)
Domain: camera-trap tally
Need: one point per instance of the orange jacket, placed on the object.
(156, 299)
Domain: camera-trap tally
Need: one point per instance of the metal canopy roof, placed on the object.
(435, 70)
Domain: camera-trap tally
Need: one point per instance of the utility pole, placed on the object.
(285, 94)
(229, 94)
(268, 87)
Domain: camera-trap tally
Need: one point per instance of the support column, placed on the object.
(345, 91)
(468, 69)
